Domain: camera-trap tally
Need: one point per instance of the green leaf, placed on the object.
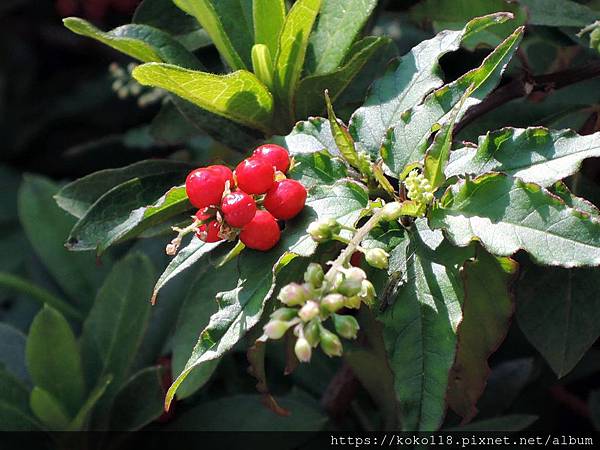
(127, 210)
(139, 401)
(557, 310)
(48, 409)
(79, 196)
(558, 13)
(228, 24)
(406, 83)
(12, 352)
(238, 96)
(185, 259)
(46, 227)
(317, 168)
(483, 328)
(337, 28)
(117, 322)
(559, 188)
(15, 414)
(420, 327)
(454, 15)
(511, 422)
(245, 412)
(407, 141)
(310, 136)
(53, 359)
(163, 14)
(269, 17)
(309, 96)
(506, 214)
(293, 42)
(535, 155)
(141, 42)
(80, 420)
(342, 138)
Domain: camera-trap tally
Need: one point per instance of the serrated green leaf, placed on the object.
(507, 214)
(406, 83)
(310, 136)
(558, 13)
(309, 96)
(557, 310)
(228, 23)
(116, 324)
(79, 196)
(484, 326)
(420, 327)
(139, 401)
(142, 42)
(185, 259)
(407, 141)
(238, 96)
(48, 409)
(269, 17)
(293, 42)
(337, 28)
(535, 155)
(317, 168)
(127, 210)
(53, 359)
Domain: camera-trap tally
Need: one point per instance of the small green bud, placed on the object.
(319, 232)
(351, 283)
(330, 343)
(595, 38)
(353, 302)
(345, 326)
(275, 329)
(312, 333)
(292, 294)
(314, 275)
(332, 302)
(377, 257)
(391, 211)
(309, 311)
(303, 350)
(367, 292)
(333, 225)
(284, 314)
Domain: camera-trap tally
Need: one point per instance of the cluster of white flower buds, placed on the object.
(125, 86)
(320, 298)
(418, 188)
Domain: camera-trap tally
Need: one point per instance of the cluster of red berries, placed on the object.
(229, 202)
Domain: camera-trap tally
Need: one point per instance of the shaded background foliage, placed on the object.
(61, 119)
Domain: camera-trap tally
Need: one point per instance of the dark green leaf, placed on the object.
(53, 359)
(420, 327)
(484, 326)
(507, 214)
(558, 13)
(535, 155)
(407, 141)
(15, 414)
(558, 311)
(142, 42)
(406, 83)
(80, 420)
(12, 352)
(317, 168)
(337, 28)
(48, 409)
(163, 14)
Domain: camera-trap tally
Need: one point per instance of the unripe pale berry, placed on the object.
(254, 176)
(352, 281)
(345, 326)
(312, 332)
(275, 329)
(330, 343)
(303, 350)
(292, 294)
(314, 275)
(309, 311)
(275, 155)
(367, 292)
(332, 302)
(377, 257)
(284, 314)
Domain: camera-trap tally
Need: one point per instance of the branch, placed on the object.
(526, 85)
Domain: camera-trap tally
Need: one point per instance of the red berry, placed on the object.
(208, 232)
(254, 176)
(238, 208)
(262, 233)
(225, 173)
(204, 187)
(285, 199)
(275, 155)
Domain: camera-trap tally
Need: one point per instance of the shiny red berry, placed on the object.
(225, 173)
(254, 176)
(204, 187)
(262, 233)
(275, 155)
(238, 208)
(285, 199)
(208, 232)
